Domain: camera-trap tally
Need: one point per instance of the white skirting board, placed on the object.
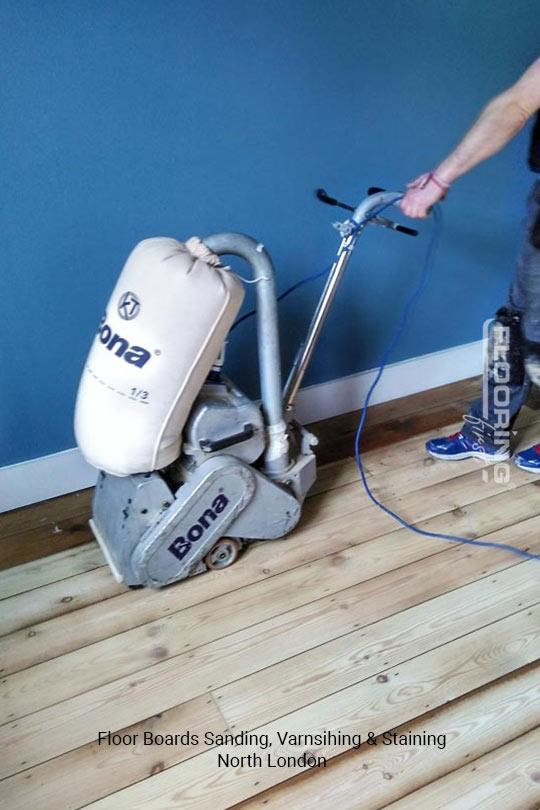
(49, 476)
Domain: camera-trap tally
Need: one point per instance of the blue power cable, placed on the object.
(315, 276)
(402, 323)
(285, 293)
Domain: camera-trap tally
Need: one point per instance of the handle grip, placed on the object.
(210, 446)
(400, 228)
(326, 198)
(408, 231)
(374, 190)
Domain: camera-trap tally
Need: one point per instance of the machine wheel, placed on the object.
(224, 553)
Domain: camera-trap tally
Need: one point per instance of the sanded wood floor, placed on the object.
(351, 624)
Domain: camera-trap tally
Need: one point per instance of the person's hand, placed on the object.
(422, 194)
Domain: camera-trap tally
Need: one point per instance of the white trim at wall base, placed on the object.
(398, 380)
(60, 473)
(45, 477)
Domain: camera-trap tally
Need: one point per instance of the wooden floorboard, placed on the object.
(350, 624)
(428, 681)
(473, 725)
(252, 619)
(307, 548)
(441, 489)
(52, 568)
(508, 777)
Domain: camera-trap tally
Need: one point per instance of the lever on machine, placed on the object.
(325, 198)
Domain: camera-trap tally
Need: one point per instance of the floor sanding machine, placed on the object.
(190, 469)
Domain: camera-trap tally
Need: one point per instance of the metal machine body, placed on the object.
(224, 418)
(244, 468)
(154, 535)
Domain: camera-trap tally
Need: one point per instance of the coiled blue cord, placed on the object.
(406, 312)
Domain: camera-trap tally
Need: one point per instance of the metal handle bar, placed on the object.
(324, 197)
(374, 201)
(348, 241)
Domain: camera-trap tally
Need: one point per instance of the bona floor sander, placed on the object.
(191, 470)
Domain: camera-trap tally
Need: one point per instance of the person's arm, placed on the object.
(503, 118)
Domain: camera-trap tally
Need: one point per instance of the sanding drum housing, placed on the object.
(164, 327)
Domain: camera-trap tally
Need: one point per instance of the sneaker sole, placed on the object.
(533, 470)
(472, 454)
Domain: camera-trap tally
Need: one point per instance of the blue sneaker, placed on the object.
(529, 459)
(457, 447)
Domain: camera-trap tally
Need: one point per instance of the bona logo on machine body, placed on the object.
(119, 346)
(181, 545)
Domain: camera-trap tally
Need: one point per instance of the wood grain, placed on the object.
(72, 780)
(473, 725)
(377, 704)
(507, 778)
(351, 623)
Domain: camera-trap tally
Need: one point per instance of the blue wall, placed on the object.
(131, 118)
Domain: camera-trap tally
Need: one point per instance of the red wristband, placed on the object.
(438, 182)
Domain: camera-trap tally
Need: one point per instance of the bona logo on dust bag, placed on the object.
(119, 346)
(129, 306)
(181, 545)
